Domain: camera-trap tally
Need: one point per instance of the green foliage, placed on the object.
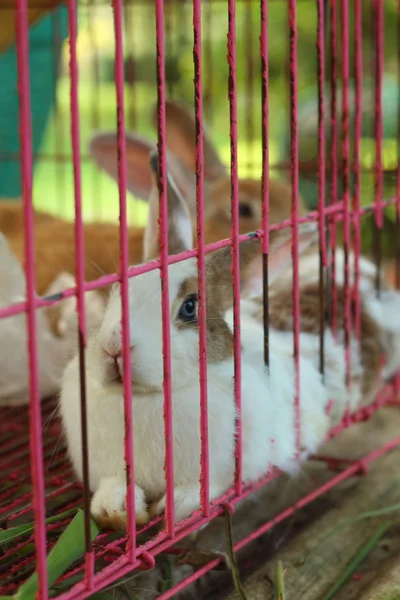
(69, 548)
(280, 581)
(9, 535)
(358, 559)
(370, 514)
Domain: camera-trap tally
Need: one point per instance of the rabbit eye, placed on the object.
(188, 309)
(245, 210)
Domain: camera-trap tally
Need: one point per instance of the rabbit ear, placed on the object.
(181, 141)
(103, 148)
(219, 272)
(219, 264)
(12, 278)
(180, 234)
(185, 181)
(280, 257)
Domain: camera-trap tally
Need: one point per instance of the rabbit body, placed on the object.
(268, 416)
(269, 427)
(53, 351)
(55, 245)
(14, 369)
(379, 321)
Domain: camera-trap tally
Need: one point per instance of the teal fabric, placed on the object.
(45, 41)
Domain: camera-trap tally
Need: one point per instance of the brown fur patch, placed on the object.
(219, 336)
(181, 136)
(281, 311)
(220, 295)
(55, 245)
(53, 313)
(280, 203)
(55, 238)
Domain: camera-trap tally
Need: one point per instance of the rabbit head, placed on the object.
(181, 159)
(145, 299)
(181, 136)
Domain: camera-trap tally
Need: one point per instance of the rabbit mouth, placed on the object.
(118, 371)
(137, 387)
(115, 379)
(145, 388)
(114, 372)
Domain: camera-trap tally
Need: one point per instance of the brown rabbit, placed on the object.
(180, 130)
(55, 239)
(181, 142)
(55, 245)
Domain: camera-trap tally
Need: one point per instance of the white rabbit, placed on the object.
(63, 315)
(268, 416)
(379, 321)
(54, 351)
(14, 370)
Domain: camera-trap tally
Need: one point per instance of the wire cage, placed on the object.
(305, 92)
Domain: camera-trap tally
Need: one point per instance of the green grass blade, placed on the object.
(280, 581)
(232, 557)
(130, 593)
(101, 596)
(166, 576)
(66, 584)
(123, 581)
(379, 512)
(9, 535)
(69, 548)
(358, 559)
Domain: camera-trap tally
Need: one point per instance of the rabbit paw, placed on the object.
(108, 505)
(187, 500)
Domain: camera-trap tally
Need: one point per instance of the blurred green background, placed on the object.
(53, 178)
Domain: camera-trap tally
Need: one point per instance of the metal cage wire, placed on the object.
(333, 210)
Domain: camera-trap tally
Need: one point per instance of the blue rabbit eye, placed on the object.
(188, 309)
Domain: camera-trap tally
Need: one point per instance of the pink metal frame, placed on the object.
(125, 553)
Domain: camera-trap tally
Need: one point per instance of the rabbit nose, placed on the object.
(110, 341)
(117, 354)
(114, 363)
(114, 354)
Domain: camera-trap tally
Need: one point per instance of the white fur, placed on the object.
(384, 310)
(68, 317)
(53, 352)
(268, 418)
(309, 270)
(14, 365)
(340, 397)
(268, 414)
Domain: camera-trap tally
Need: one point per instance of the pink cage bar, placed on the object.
(34, 484)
